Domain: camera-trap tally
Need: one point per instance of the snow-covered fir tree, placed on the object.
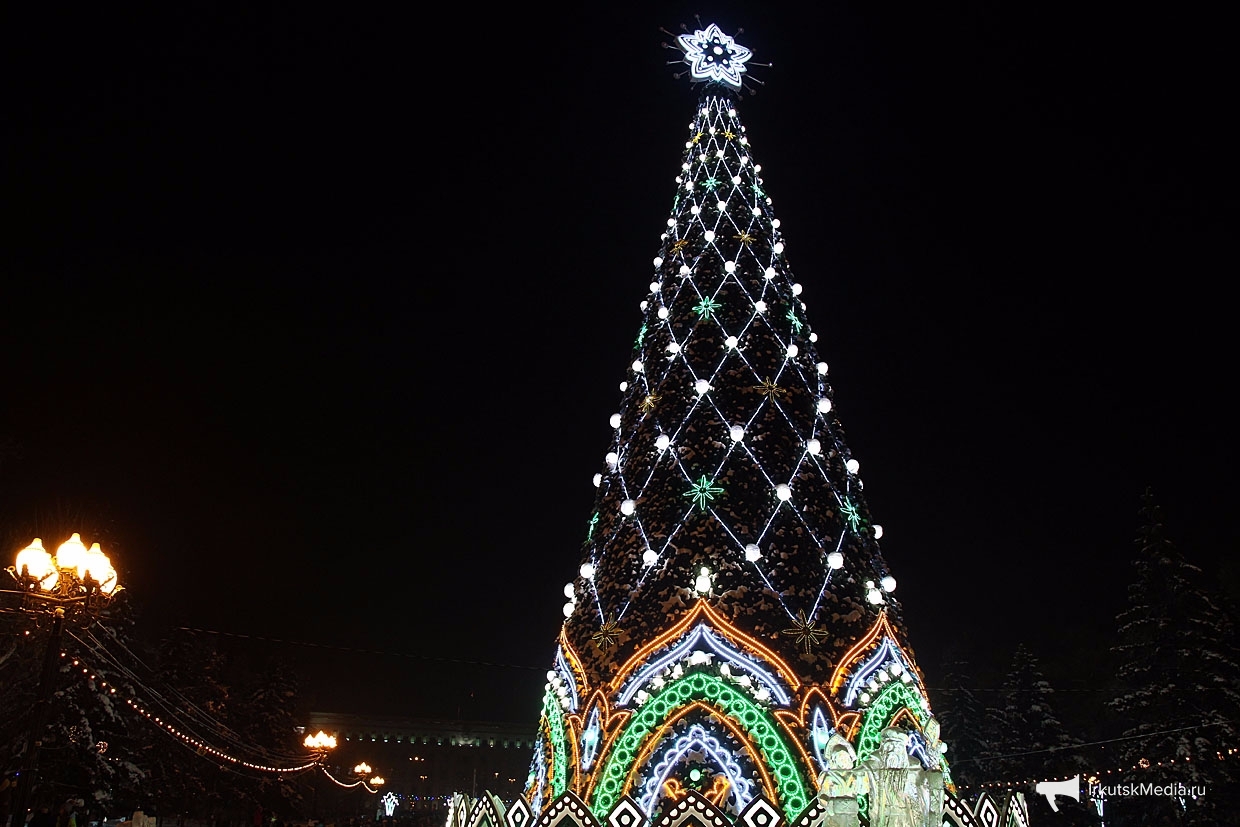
(965, 724)
(1180, 682)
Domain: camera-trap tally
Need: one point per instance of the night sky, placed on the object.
(317, 315)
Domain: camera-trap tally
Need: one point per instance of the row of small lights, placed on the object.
(174, 731)
(1142, 764)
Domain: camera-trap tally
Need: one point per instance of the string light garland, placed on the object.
(1142, 764)
(179, 732)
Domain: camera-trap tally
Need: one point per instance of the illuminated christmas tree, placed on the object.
(731, 642)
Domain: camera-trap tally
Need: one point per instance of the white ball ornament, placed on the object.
(822, 368)
(783, 492)
(643, 304)
(658, 262)
(731, 342)
(615, 420)
(888, 583)
(628, 507)
(587, 571)
(638, 367)
(853, 466)
(598, 480)
(612, 458)
(779, 245)
(624, 386)
(814, 447)
(721, 205)
(759, 306)
(649, 558)
(729, 266)
(684, 269)
(774, 222)
(663, 312)
(737, 433)
(793, 350)
(674, 347)
(568, 609)
(874, 596)
(878, 532)
(796, 289)
(709, 235)
(813, 337)
(654, 287)
(824, 405)
(835, 560)
(570, 591)
(702, 583)
(770, 273)
(701, 386)
(753, 553)
(662, 441)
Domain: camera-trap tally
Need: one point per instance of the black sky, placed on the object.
(319, 313)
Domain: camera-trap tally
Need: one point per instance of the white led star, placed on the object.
(713, 55)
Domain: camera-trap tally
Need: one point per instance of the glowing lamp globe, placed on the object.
(753, 553)
(814, 447)
(587, 571)
(701, 585)
(888, 583)
(824, 405)
(71, 553)
(662, 441)
(835, 560)
(878, 532)
(783, 492)
(35, 562)
(649, 557)
(737, 433)
(98, 568)
(615, 420)
(570, 591)
(568, 609)
(627, 507)
(853, 466)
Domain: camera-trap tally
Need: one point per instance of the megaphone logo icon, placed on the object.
(1070, 787)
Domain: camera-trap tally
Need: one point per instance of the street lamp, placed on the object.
(321, 743)
(76, 584)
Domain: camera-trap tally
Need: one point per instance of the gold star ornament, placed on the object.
(607, 636)
(806, 632)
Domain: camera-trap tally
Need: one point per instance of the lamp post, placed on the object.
(320, 743)
(75, 585)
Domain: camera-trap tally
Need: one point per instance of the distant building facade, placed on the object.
(427, 758)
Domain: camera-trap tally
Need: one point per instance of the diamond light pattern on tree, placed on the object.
(726, 348)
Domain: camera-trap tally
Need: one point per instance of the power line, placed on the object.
(360, 651)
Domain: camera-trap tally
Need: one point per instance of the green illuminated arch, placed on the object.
(554, 719)
(738, 706)
(882, 710)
